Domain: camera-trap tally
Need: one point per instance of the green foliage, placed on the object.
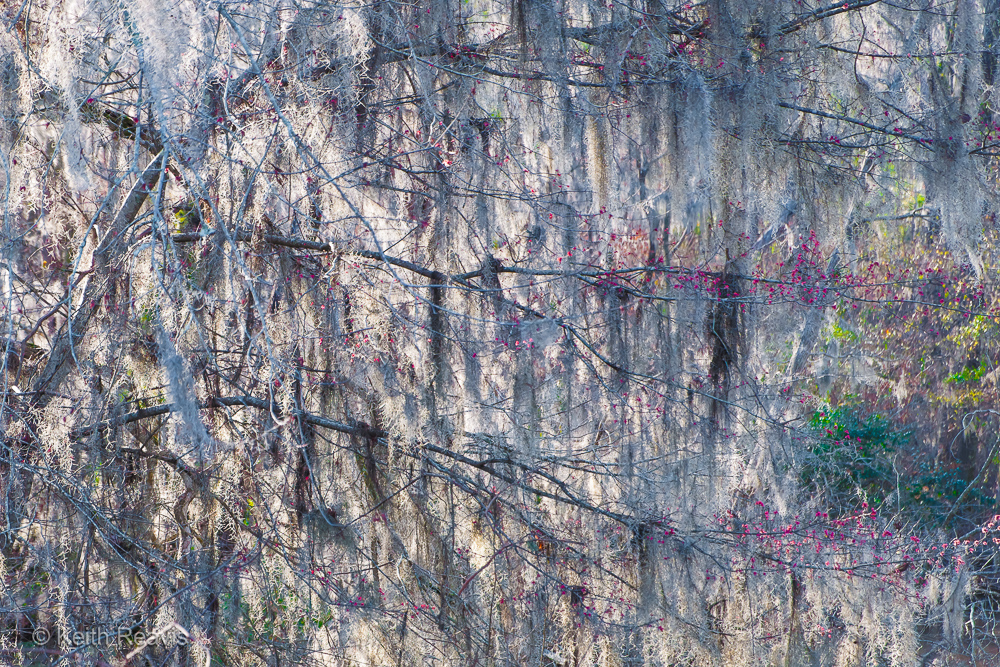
(180, 219)
(843, 335)
(855, 459)
(980, 329)
(939, 487)
(967, 375)
(853, 455)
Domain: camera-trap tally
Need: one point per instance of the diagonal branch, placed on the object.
(822, 13)
(923, 141)
(61, 359)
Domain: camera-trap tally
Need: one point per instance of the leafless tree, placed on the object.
(469, 332)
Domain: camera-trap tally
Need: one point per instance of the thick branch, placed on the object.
(62, 359)
(822, 13)
(923, 141)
